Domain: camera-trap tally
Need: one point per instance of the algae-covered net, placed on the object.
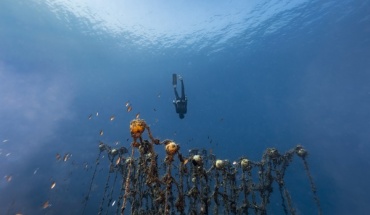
(196, 183)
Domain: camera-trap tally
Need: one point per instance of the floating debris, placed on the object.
(34, 172)
(53, 185)
(112, 118)
(58, 156)
(46, 205)
(101, 132)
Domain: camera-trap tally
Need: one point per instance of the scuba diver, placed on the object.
(179, 102)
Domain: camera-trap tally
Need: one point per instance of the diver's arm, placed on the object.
(174, 79)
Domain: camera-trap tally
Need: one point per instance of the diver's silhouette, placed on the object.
(179, 102)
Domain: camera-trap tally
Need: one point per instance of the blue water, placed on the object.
(257, 74)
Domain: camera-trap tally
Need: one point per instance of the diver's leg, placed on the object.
(182, 90)
(176, 94)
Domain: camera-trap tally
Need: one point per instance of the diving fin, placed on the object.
(174, 79)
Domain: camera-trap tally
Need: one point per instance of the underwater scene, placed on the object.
(184, 107)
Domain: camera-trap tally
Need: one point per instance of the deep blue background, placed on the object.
(306, 83)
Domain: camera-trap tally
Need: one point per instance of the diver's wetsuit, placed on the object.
(180, 102)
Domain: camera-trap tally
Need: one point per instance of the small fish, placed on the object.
(127, 104)
(90, 116)
(8, 178)
(112, 118)
(186, 161)
(34, 172)
(57, 156)
(8, 154)
(137, 115)
(159, 95)
(101, 132)
(154, 109)
(129, 108)
(114, 202)
(46, 205)
(66, 157)
(97, 113)
(53, 185)
(4, 141)
(118, 160)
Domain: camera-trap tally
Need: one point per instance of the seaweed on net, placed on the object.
(198, 183)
